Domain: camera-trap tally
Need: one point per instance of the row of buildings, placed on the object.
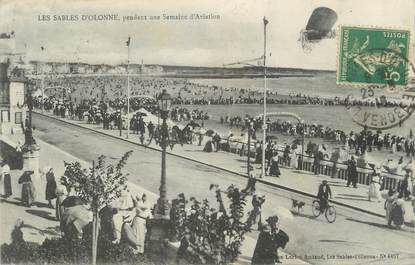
(39, 67)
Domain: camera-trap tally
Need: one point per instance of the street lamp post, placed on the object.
(43, 92)
(30, 149)
(302, 146)
(120, 123)
(128, 87)
(159, 226)
(250, 131)
(162, 207)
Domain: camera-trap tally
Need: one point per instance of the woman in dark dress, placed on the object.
(28, 190)
(208, 146)
(258, 155)
(398, 212)
(274, 170)
(50, 187)
(265, 250)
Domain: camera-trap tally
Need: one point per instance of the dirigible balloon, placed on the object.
(319, 26)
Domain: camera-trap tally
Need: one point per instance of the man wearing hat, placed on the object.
(352, 172)
(269, 240)
(403, 187)
(324, 192)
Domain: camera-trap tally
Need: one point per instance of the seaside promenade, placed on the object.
(73, 140)
(304, 182)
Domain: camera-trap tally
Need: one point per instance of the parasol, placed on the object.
(210, 132)
(193, 124)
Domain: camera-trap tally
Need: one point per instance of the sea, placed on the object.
(323, 85)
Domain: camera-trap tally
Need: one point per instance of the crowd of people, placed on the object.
(124, 220)
(109, 113)
(104, 100)
(364, 141)
(185, 92)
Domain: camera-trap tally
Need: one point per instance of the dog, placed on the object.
(298, 204)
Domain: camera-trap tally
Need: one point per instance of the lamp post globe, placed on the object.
(164, 103)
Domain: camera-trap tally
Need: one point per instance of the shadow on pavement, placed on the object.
(312, 217)
(371, 223)
(41, 204)
(334, 241)
(18, 203)
(49, 231)
(41, 213)
(351, 195)
(351, 199)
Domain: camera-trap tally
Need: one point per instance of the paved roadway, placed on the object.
(353, 233)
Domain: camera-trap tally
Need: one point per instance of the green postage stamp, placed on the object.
(373, 56)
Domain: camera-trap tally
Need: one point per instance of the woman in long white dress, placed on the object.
(139, 222)
(294, 157)
(124, 205)
(374, 187)
(61, 194)
(134, 234)
(2, 178)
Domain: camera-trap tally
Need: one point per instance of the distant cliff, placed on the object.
(37, 67)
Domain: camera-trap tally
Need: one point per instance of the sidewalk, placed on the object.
(40, 220)
(290, 178)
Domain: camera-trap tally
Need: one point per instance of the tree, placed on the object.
(99, 186)
(216, 236)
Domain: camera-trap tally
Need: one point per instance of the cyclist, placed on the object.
(324, 192)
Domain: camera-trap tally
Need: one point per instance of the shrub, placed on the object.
(216, 236)
(25, 252)
(63, 251)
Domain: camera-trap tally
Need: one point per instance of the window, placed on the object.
(18, 117)
(5, 116)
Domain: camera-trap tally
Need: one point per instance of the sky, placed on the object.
(236, 36)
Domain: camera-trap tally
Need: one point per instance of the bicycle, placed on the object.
(329, 212)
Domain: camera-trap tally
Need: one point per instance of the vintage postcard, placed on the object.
(207, 132)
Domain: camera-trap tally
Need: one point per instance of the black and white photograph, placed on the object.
(207, 132)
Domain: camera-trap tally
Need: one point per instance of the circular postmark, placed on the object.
(380, 112)
(385, 70)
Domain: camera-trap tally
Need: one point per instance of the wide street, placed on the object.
(353, 232)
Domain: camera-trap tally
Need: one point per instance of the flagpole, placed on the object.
(43, 93)
(264, 125)
(43, 85)
(128, 87)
